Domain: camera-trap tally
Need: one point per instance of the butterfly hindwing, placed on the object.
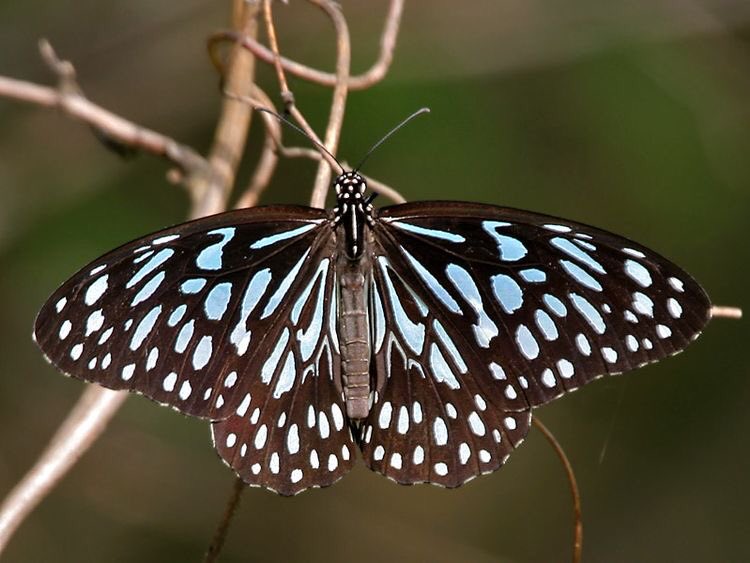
(290, 431)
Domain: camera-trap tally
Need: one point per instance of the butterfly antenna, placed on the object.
(391, 132)
(303, 132)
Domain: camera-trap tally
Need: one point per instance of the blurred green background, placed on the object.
(632, 116)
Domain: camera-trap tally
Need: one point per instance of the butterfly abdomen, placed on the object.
(354, 332)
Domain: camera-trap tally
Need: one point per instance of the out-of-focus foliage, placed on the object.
(632, 116)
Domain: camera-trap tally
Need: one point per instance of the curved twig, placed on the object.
(577, 513)
(338, 103)
(358, 82)
(209, 183)
(220, 535)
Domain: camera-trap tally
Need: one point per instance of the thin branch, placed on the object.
(234, 120)
(577, 518)
(209, 184)
(83, 425)
(358, 82)
(286, 95)
(69, 99)
(220, 535)
(338, 103)
(723, 312)
(269, 156)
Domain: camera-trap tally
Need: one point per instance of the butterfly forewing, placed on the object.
(482, 312)
(186, 316)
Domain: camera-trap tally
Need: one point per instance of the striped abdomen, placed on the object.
(354, 334)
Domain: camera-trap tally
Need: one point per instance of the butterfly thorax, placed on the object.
(352, 211)
(353, 273)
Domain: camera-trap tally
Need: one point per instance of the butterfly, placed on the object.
(422, 334)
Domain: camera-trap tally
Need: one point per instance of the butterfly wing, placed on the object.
(297, 436)
(188, 316)
(481, 313)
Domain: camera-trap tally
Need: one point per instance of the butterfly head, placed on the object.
(350, 187)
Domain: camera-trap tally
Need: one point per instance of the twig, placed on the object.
(358, 82)
(69, 99)
(286, 95)
(220, 535)
(209, 183)
(83, 425)
(577, 520)
(269, 157)
(234, 121)
(723, 312)
(338, 103)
